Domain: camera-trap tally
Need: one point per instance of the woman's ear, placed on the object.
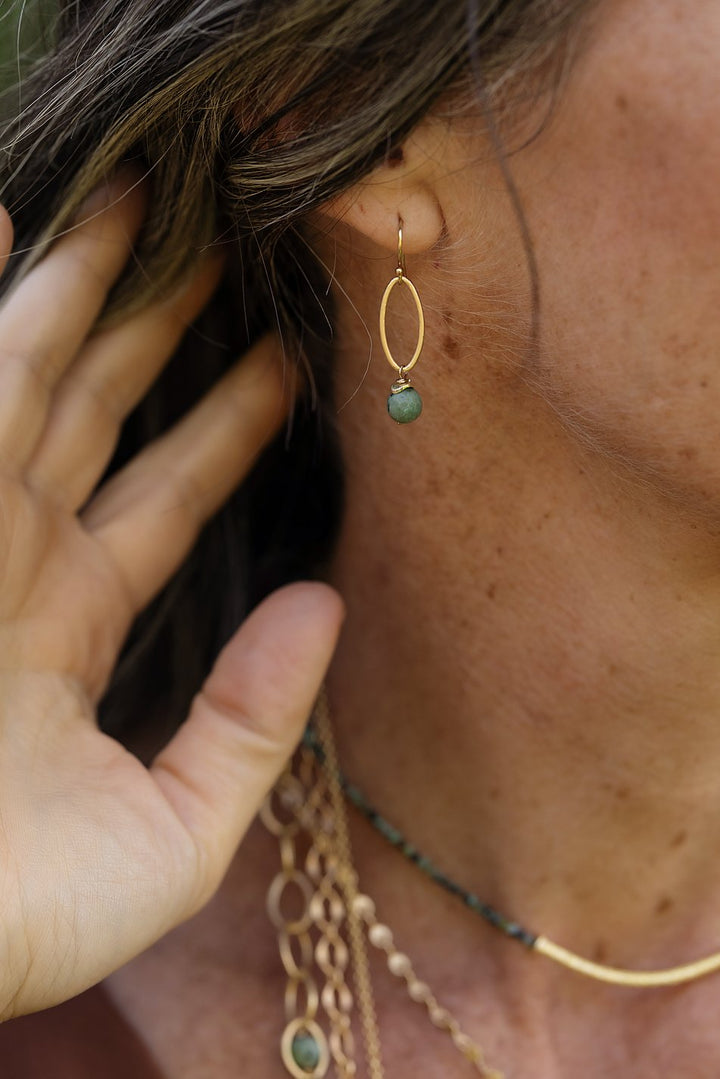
(403, 187)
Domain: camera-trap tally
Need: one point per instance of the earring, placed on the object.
(404, 403)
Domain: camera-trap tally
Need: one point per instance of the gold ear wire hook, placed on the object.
(401, 254)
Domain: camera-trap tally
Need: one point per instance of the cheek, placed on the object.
(623, 200)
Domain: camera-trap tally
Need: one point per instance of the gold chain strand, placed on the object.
(302, 1034)
(308, 799)
(361, 969)
(305, 798)
(327, 907)
(328, 912)
(400, 965)
(362, 914)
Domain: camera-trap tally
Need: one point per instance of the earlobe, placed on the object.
(401, 188)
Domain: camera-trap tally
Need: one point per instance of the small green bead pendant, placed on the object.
(305, 1052)
(404, 404)
(304, 1049)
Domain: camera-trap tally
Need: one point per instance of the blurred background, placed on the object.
(21, 40)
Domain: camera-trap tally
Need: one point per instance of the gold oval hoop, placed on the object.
(305, 982)
(286, 786)
(401, 279)
(310, 1027)
(296, 965)
(274, 899)
(327, 909)
(332, 953)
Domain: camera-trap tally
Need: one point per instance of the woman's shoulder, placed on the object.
(81, 1039)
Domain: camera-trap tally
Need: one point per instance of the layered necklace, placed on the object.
(330, 929)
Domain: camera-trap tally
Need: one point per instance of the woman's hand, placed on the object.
(98, 855)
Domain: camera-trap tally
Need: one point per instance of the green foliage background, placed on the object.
(23, 36)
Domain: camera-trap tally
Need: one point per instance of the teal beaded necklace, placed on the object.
(409, 851)
(534, 942)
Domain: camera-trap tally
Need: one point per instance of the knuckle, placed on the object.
(100, 398)
(37, 363)
(185, 491)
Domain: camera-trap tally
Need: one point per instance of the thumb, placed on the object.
(245, 722)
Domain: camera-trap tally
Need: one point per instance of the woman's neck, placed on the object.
(528, 681)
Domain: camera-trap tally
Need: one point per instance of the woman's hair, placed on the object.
(245, 115)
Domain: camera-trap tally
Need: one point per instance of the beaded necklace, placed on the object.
(532, 941)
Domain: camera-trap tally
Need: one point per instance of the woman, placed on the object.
(526, 681)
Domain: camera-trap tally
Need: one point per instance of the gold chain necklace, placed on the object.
(332, 903)
(325, 877)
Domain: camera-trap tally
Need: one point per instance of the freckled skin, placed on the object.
(451, 345)
(633, 275)
(540, 704)
(552, 531)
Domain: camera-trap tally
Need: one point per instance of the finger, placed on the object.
(112, 373)
(45, 319)
(148, 516)
(6, 237)
(245, 722)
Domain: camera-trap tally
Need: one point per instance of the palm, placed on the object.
(100, 855)
(95, 855)
(63, 600)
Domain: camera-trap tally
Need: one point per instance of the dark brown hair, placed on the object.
(246, 115)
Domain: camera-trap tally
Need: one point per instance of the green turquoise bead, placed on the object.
(405, 406)
(305, 1052)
